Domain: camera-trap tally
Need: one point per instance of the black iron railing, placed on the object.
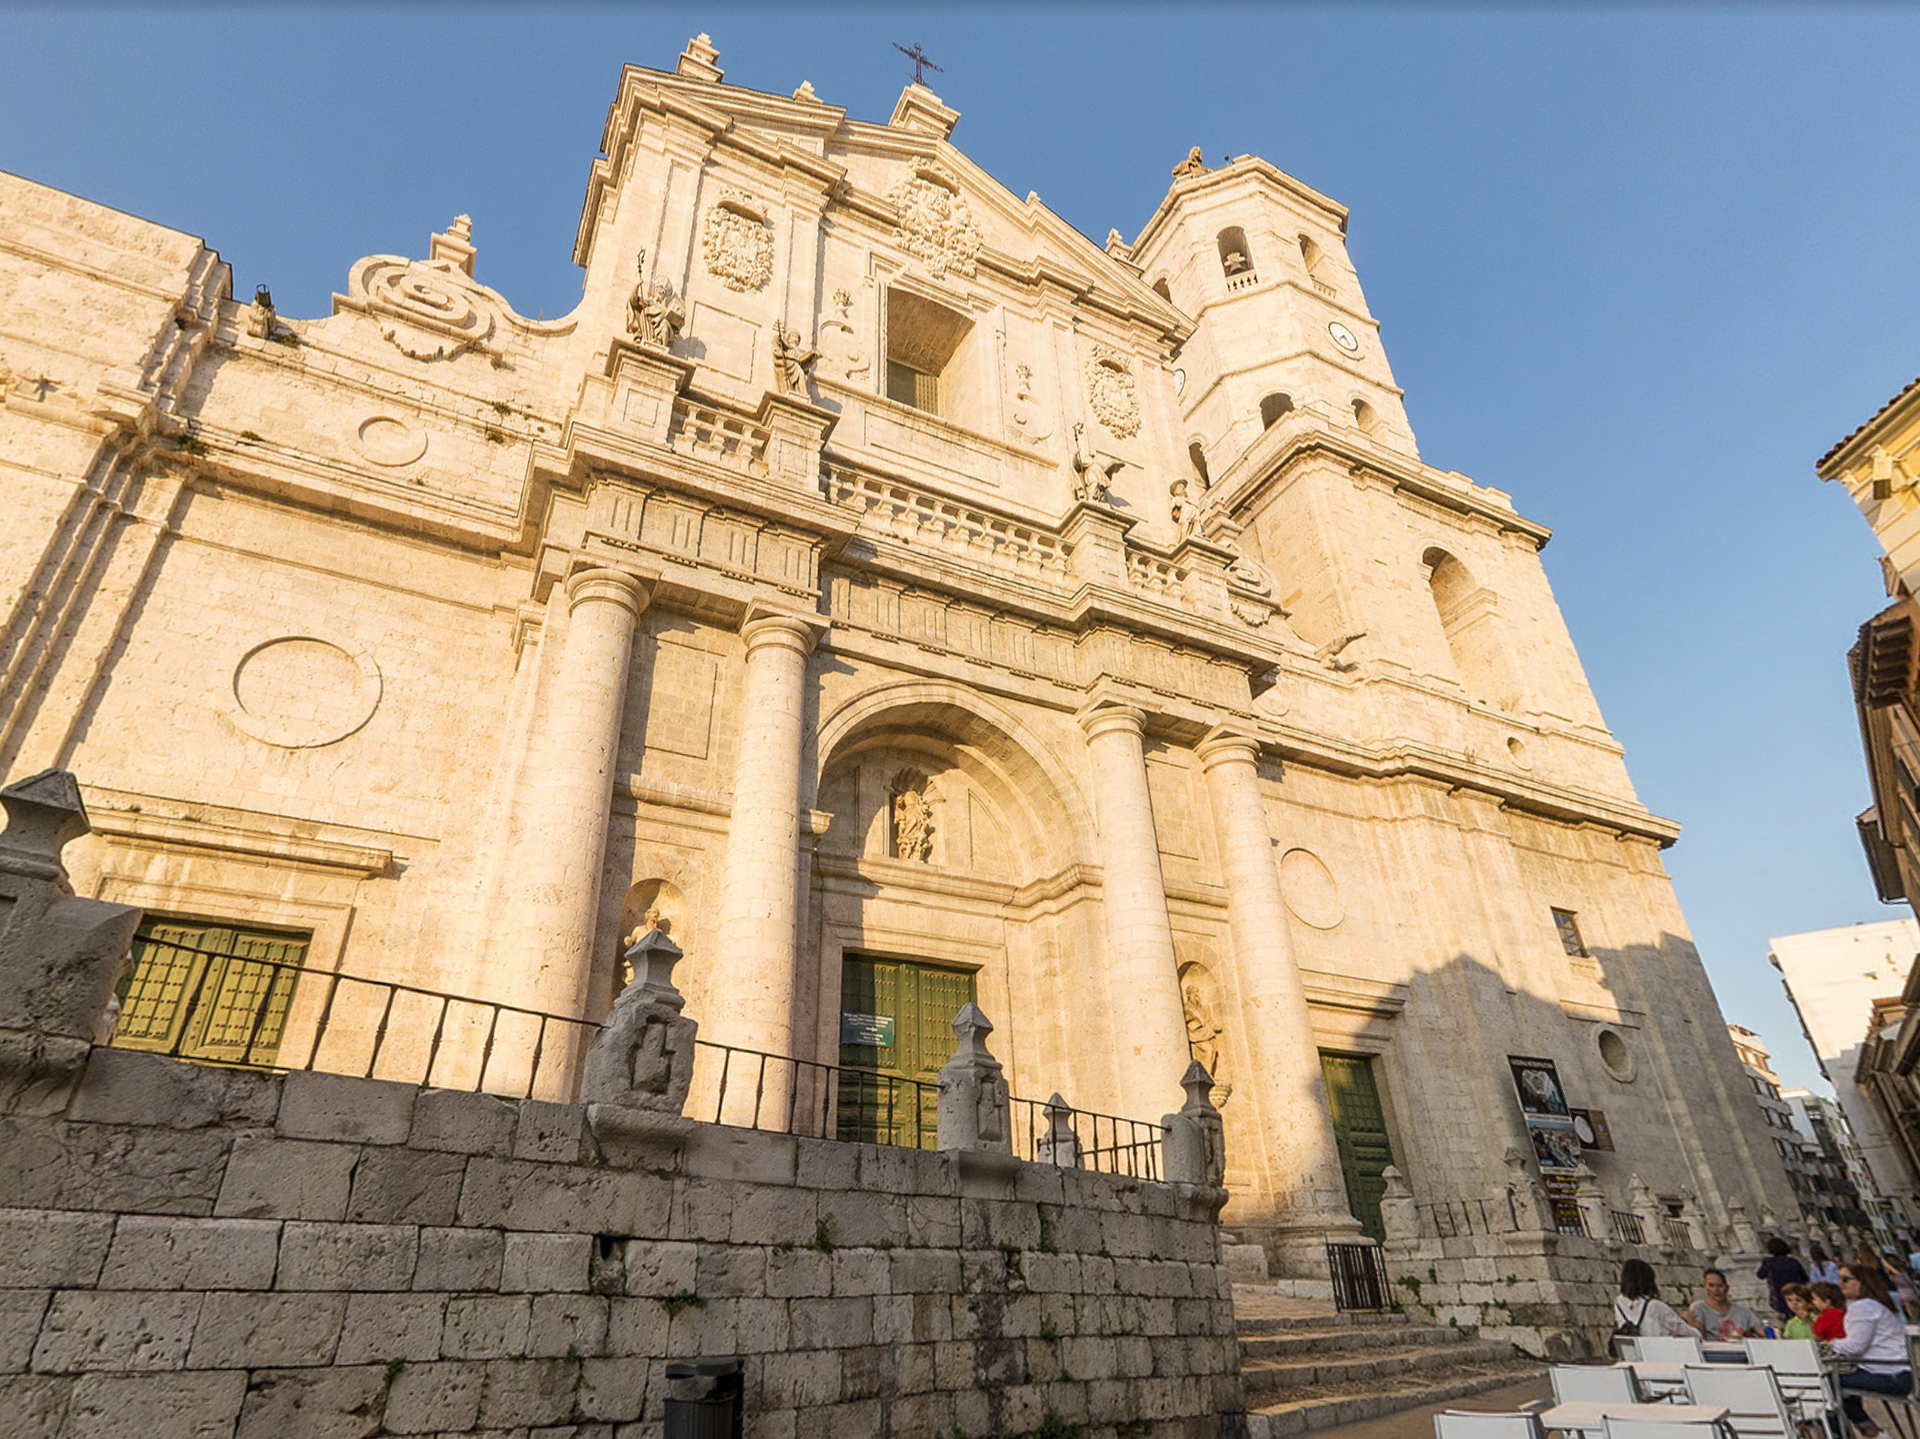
(1676, 1232)
(1457, 1218)
(223, 1009)
(752, 1089)
(1359, 1273)
(1629, 1228)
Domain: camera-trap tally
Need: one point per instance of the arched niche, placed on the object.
(648, 904)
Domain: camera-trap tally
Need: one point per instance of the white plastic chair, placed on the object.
(1456, 1424)
(1659, 1429)
(1804, 1380)
(1662, 1350)
(1609, 1383)
(1627, 1348)
(1756, 1409)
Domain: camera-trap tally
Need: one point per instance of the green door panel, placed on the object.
(210, 992)
(914, 1005)
(1360, 1127)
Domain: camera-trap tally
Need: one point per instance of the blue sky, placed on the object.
(1637, 266)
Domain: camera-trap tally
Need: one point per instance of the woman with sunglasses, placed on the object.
(1876, 1341)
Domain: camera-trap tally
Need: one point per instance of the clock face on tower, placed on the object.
(1344, 338)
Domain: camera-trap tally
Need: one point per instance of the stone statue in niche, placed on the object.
(1092, 473)
(913, 823)
(791, 360)
(654, 313)
(1185, 514)
(1205, 1034)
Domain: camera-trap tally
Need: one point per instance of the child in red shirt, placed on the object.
(1829, 1313)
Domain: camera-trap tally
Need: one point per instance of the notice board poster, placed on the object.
(1549, 1120)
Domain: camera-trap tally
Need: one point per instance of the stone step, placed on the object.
(1380, 1366)
(1250, 1320)
(1291, 1412)
(1291, 1343)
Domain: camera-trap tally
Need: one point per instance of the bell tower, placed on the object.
(1259, 260)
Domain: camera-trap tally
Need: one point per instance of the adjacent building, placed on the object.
(1838, 1194)
(901, 599)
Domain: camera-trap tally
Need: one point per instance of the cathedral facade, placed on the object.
(900, 599)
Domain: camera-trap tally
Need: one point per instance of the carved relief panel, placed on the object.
(935, 222)
(738, 242)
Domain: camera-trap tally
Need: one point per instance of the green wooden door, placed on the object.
(896, 1025)
(1360, 1126)
(209, 992)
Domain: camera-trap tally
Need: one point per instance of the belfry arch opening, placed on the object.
(1273, 408)
(1467, 619)
(1236, 255)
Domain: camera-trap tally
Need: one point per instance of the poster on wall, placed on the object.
(1590, 1128)
(1549, 1120)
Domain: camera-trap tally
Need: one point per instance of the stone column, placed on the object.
(750, 979)
(1303, 1157)
(548, 961)
(1149, 1026)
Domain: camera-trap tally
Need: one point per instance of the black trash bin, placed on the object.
(712, 1414)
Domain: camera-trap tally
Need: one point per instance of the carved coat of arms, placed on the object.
(738, 244)
(935, 222)
(1111, 392)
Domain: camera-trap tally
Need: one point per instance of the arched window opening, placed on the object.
(1272, 408)
(1311, 254)
(1365, 416)
(1197, 455)
(1163, 290)
(1467, 619)
(1236, 257)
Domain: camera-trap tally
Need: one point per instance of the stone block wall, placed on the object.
(197, 1253)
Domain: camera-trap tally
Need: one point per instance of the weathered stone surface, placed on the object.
(660, 1267)
(567, 1324)
(527, 1391)
(52, 1247)
(612, 1389)
(546, 1262)
(287, 1179)
(342, 1108)
(462, 1123)
(383, 1327)
(347, 1256)
(125, 1086)
(109, 1166)
(513, 1194)
(314, 1404)
(435, 1398)
(35, 1404)
(155, 1406)
(156, 1253)
(115, 1330)
(21, 1311)
(492, 1327)
(402, 1185)
(254, 1331)
(457, 1259)
(551, 1132)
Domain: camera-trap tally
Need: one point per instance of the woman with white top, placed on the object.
(1876, 1341)
(1638, 1308)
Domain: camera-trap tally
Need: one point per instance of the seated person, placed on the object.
(1829, 1311)
(1799, 1302)
(1638, 1308)
(1876, 1342)
(1717, 1316)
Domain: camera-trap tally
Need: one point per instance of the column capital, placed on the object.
(602, 584)
(1105, 717)
(1221, 745)
(767, 626)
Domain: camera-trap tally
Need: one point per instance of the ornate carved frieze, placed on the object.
(681, 527)
(426, 309)
(1112, 393)
(935, 223)
(738, 242)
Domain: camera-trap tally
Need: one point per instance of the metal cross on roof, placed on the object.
(920, 61)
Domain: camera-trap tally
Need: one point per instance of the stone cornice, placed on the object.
(173, 824)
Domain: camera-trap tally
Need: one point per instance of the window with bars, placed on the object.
(1568, 924)
(209, 991)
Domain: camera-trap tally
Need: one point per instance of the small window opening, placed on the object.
(1163, 290)
(1365, 416)
(1197, 456)
(1272, 408)
(1568, 923)
(926, 346)
(1236, 256)
(1311, 254)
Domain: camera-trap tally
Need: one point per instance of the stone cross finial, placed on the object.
(1195, 1143)
(974, 1099)
(643, 1056)
(1399, 1216)
(652, 957)
(1060, 1144)
(60, 956)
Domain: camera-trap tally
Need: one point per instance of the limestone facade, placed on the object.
(869, 566)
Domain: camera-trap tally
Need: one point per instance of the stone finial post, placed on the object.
(60, 956)
(974, 1099)
(640, 1066)
(1696, 1221)
(1528, 1208)
(1399, 1216)
(1740, 1231)
(1195, 1146)
(1646, 1208)
(1595, 1212)
(1060, 1144)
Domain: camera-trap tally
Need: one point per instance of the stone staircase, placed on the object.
(1306, 1367)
